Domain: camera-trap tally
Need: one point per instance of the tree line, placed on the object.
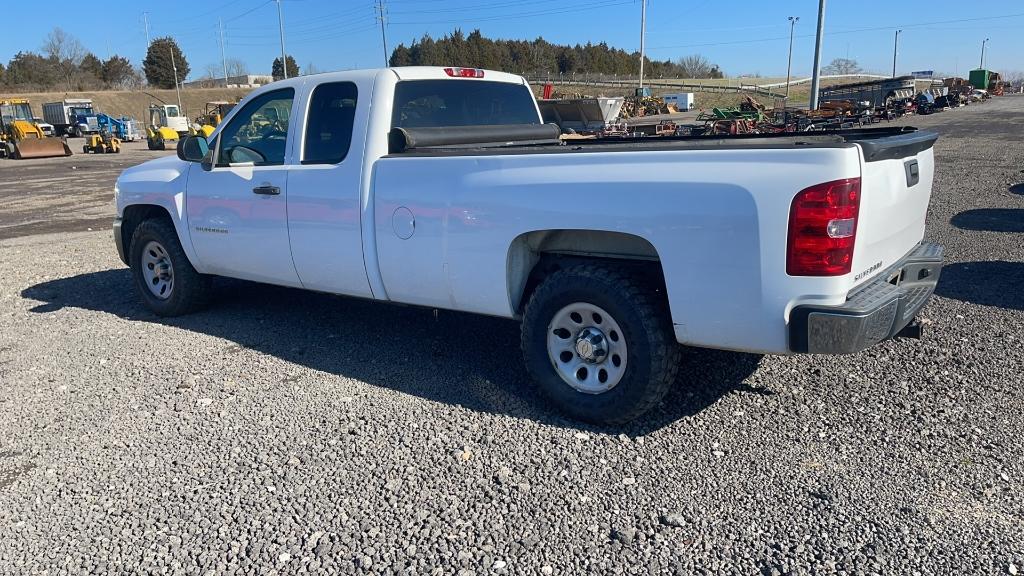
(64, 63)
(540, 56)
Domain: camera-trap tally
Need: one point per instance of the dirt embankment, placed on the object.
(135, 103)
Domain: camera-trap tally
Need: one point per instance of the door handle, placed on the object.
(267, 190)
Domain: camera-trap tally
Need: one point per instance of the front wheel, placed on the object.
(165, 278)
(599, 343)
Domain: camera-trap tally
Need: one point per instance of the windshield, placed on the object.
(172, 111)
(431, 103)
(82, 110)
(12, 112)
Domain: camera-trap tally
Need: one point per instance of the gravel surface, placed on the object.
(285, 432)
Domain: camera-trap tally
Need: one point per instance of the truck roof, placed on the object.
(406, 73)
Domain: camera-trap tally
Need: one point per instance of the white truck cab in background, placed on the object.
(441, 187)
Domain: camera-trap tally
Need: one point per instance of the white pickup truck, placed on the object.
(440, 187)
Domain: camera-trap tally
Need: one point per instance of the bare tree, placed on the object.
(842, 66)
(237, 67)
(66, 52)
(312, 69)
(696, 66)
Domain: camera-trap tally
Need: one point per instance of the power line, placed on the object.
(837, 32)
(575, 8)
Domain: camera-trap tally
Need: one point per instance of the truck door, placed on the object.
(323, 192)
(237, 211)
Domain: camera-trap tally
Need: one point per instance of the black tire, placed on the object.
(190, 289)
(642, 315)
(78, 131)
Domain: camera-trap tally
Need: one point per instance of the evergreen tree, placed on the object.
(159, 65)
(278, 73)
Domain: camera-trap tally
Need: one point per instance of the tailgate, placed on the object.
(896, 185)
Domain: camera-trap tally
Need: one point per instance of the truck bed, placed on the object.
(877, 143)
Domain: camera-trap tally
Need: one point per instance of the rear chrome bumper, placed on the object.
(873, 312)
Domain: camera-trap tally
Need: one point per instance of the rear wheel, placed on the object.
(165, 278)
(599, 343)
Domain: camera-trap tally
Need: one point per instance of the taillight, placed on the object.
(823, 228)
(464, 72)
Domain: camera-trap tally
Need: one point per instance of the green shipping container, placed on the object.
(979, 78)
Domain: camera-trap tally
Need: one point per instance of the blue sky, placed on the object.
(742, 36)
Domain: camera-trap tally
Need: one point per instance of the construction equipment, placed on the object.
(166, 124)
(102, 143)
(123, 128)
(212, 116)
(71, 117)
(21, 137)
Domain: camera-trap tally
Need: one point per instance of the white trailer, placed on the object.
(683, 101)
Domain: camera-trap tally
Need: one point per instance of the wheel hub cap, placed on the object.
(590, 345)
(157, 270)
(587, 348)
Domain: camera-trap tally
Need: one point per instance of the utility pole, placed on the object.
(177, 88)
(223, 57)
(816, 76)
(789, 67)
(145, 18)
(895, 47)
(982, 65)
(280, 23)
(383, 35)
(643, 33)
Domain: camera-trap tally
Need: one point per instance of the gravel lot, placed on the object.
(289, 432)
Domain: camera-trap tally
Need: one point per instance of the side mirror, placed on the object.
(193, 148)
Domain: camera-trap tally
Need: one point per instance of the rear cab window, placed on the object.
(436, 103)
(329, 123)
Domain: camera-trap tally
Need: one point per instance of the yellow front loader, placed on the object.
(20, 137)
(212, 116)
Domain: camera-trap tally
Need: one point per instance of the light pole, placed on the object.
(284, 59)
(982, 66)
(177, 87)
(643, 31)
(789, 66)
(895, 47)
(816, 76)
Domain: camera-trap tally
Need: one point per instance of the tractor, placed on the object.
(212, 116)
(21, 137)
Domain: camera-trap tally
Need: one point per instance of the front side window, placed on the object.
(259, 132)
(332, 115)
(172, 111)
(434, 103)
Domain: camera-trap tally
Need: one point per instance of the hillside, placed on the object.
(136, 103)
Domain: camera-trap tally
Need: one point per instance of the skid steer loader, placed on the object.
(20, 137)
